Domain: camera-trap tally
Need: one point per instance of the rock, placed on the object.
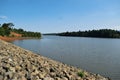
(17, 68)
(9, 75)
(57, 78)
(42, 75)
(12, 69)
(5, 68)
(52, 69)
(53, 75)
(48, 78)
(64, 78)
(1, 77)
(23, 78)
(9, 59)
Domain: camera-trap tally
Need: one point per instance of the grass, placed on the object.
(81, 74)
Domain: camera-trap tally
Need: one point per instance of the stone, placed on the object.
(64, 78)
(48, 78)
(9, 75)
(1, 77)
(41, 75)
(23, 78)
(9, 59)
(52, 70)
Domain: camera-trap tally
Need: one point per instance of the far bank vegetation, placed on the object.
(101, 33)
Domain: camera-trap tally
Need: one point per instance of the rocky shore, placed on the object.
(20, 64)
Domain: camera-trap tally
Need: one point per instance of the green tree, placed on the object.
(7, 25)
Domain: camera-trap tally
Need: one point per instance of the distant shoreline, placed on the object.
(9, 39)
(101, 33)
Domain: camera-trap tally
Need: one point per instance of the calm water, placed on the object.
(96, 55)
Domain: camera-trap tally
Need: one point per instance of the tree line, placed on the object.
(101, 33)
(6, 29)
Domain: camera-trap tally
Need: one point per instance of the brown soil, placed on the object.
(9, 39)
(16, 34)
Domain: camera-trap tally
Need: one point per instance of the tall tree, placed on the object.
(7, 25)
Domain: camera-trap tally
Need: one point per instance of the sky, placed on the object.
(52, 16)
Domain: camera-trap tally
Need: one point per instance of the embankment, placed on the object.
(9, 39)
(20, 64)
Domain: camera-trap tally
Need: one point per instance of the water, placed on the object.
(97, 55)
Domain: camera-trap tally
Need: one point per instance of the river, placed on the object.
(97, 55)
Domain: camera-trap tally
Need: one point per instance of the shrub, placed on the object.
(81, 74)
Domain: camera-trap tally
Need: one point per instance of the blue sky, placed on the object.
(49, 16)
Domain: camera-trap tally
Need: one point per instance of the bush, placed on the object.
(4, 31)
(81, 74)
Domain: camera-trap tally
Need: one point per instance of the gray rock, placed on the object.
(48, 78)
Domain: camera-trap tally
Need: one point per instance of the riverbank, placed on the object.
(9, 39)
(20, 64)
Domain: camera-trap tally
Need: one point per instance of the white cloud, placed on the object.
(3, 17)
(116, 27)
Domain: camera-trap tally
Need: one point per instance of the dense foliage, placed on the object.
(102, 33)
(26, 33)
(6, 28)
